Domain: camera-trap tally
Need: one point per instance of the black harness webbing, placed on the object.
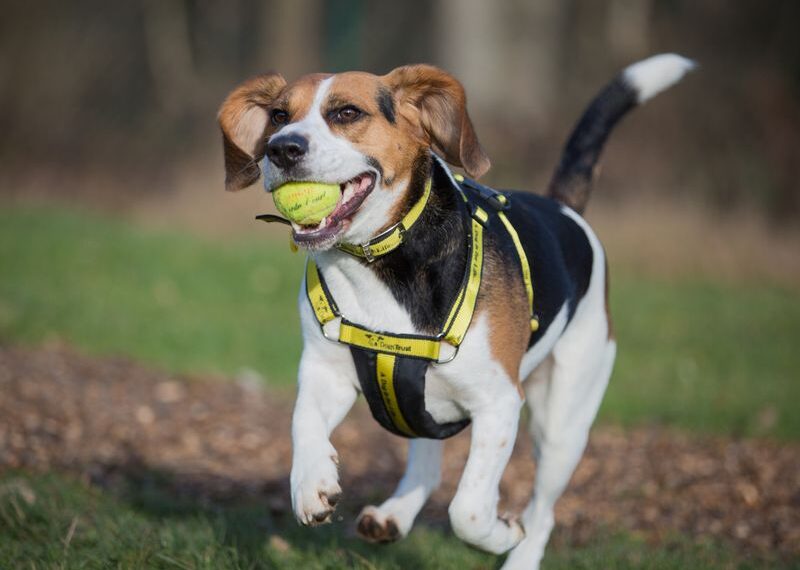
(394, 387)
(391, 367)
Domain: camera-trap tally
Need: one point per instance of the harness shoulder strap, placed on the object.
(526, 268)
(463, 308)
(500, 203)
(319, 297)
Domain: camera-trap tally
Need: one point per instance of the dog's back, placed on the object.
(557, 244)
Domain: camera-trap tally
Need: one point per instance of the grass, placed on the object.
(705, 356)
(713, 357)
(181, 303)
(48, 521)
(699, 355)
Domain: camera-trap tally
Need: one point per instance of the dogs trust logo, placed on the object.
(378, 342)
(320, 303)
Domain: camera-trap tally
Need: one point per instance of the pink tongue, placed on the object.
(362, 183)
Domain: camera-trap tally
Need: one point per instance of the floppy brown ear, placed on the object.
(441, 105)
(243, 120)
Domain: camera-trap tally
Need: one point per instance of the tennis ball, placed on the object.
(306, 203)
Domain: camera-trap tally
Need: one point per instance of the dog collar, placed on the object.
(392, 238)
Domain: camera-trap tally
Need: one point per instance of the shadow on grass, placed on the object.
(254, 519)
(136, 516)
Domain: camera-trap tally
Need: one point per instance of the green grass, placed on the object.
(706, 356)
(181, 303)
(142, 525)
(699, 355)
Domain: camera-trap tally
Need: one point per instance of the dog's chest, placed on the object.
(362, 297)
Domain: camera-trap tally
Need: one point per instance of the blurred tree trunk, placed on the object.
(628, 28)
(220, 40)
(506, 54)
(291, 32)
(397, 33)
(169, 53)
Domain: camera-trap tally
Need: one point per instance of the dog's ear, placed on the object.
(243, 119)
(436, 101)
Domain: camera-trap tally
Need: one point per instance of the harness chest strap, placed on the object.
(417, 346)
(384, 372)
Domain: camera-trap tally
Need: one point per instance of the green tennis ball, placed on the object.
(306, 203)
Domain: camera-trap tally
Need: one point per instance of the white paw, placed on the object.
(507, 533)
(375, 526)
(496, 536)
(525, 556)
(516, 530)
(315, 488)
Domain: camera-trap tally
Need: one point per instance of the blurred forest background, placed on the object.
(116, 100)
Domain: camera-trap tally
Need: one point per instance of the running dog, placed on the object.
(443, 301)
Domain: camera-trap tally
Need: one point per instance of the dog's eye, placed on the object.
(346, 114)
(279, 117)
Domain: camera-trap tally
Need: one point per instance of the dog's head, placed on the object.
(361, 131)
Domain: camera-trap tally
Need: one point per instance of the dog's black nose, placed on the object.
(287, 150)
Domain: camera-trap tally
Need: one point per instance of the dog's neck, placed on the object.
(425, 272)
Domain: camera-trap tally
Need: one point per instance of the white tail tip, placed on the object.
(653, 75)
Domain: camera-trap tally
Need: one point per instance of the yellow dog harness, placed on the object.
(391, 367)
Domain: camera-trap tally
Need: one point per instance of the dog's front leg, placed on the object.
(323, 399)
(473, 512)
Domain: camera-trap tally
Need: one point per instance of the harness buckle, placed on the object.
(478, 214)
(499, 202)
(325, 333)
(366, 249)
(442, 343)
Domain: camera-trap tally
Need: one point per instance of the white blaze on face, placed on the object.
(334, 159)
(329, 159)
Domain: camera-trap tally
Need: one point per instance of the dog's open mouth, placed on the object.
(353, 194)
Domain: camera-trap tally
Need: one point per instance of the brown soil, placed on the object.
(230, 440)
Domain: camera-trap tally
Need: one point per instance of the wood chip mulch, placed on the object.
(228, 440)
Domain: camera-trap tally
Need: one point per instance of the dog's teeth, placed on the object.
(349, 190)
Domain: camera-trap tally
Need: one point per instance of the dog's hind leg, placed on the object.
(393, 519)
(564, 394)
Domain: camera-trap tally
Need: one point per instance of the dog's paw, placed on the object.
(374, 526)
(515, 526)
(315, 491)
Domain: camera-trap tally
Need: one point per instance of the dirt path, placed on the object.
(222, 440)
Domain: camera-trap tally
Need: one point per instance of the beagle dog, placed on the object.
(444, 302)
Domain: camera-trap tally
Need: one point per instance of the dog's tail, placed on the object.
(572, 181)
